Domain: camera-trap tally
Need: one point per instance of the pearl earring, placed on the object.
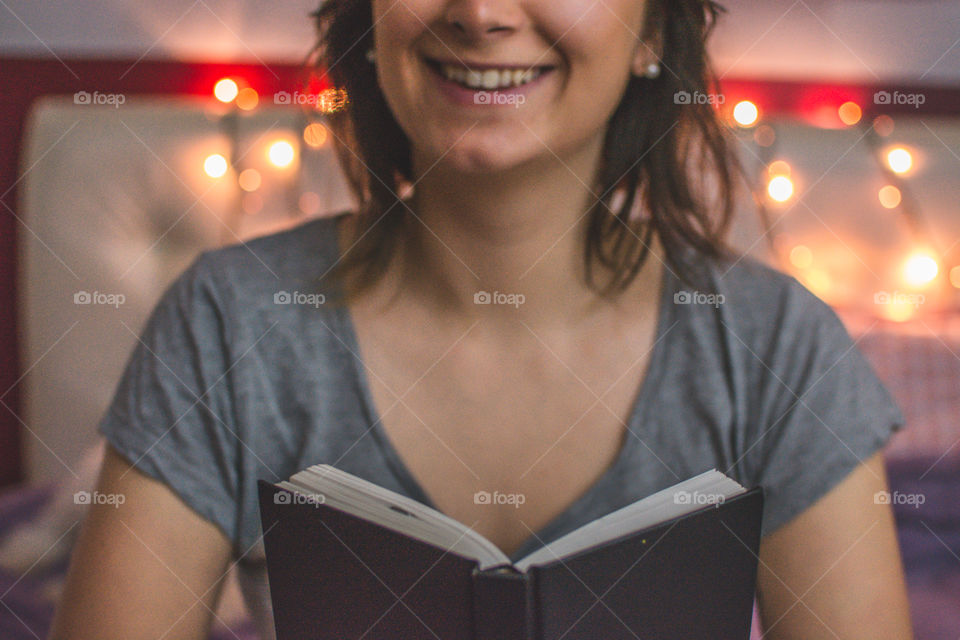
(371, 56)
(652, 71)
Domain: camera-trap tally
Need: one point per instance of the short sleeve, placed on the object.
(819, 409)
(170, 415)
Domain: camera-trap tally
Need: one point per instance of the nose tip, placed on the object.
(479, 18)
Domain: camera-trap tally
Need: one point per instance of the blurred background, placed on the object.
(137, 133)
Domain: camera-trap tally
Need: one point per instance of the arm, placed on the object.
(835, 571)
(149, 568)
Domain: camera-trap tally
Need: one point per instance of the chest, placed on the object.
(504, 440)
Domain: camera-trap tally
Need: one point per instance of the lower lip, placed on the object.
(460, 95)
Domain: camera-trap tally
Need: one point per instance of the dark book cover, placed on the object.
(336, 575)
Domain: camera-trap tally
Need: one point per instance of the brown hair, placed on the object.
(659, 147)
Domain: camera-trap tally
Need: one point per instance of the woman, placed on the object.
(506, 326)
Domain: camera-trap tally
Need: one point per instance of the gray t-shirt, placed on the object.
(229, 385)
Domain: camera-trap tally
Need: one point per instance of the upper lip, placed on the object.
(470, 65)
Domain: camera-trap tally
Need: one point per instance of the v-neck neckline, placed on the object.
(642, 400)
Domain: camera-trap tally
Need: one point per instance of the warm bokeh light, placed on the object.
(281, 154)
(890, 196)
(850, 113)
(745, 113)
(779, 168)
(780, 188)
(819, 282)
(920, 269)
(226, 90)
(315, 135)
(883, 125)
(215, 166)
(801, 257)
(764, 135)
(249, 180)
(248, 99)
(955, 276)
(900, 160)
(898, 311)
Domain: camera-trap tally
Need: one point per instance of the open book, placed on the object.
(347, 558)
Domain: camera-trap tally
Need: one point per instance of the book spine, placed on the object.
(501, 604)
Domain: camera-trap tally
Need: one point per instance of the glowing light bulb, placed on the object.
(215, 165)
(920, 269)
(226, 90)
(281, 154)
(890, 196)
(801, 257)
(248, 99)
(780, 188)
(850, 113)
(249, 180)
(745, 113)
(900, 160)
(315, 135)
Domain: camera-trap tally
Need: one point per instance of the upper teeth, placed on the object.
(491, 78)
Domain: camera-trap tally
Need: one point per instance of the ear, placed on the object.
(649, 47)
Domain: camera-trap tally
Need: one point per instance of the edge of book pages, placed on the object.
(344, 491)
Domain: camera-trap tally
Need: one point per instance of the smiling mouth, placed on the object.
(487, 79)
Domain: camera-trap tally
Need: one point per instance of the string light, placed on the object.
(780, 188)
(920, 269)
(745, 113)
(281, 154)
(249, 180)
(890, 196)
(850, 113)
(215, 166)
(248, 99)
(226, 90)
(899, 160)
